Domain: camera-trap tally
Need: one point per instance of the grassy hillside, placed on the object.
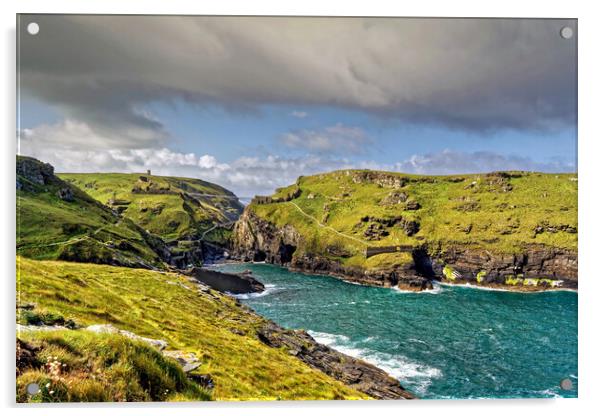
(81, 366)
(170, 207)
(341, 213)
(163, 306)
(56, 220)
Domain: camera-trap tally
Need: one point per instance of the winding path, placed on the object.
(225, 224)
(327, 227)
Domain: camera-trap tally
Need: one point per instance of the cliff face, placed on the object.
(255, 239)
(536, 267)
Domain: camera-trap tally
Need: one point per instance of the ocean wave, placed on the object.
(416, 340)
(269, 289)
(328, 339)
(434, 291)
(551, 393)
(418, 376)
(471, 286)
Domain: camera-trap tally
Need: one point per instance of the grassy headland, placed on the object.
(56, 220)
(170, 207)
(339, 214)
(164, 306)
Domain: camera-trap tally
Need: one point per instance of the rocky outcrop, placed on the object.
(255, 239)
(383, 179)
(110, 329)
(484, 267)
(227, 282)
(33, 171)
(351, 371)
(66, 194)
(187, 360)
(403, 276)
(295, 193)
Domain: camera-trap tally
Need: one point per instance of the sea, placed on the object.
(451, 342)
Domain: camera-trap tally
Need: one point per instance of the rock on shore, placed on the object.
(351, 371)
(226, 282)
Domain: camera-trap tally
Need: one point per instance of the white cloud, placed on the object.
(81, 135)
(339, 139)
(247, 176)
(450, 162)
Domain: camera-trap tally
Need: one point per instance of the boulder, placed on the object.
(110, 329)
(187, 360)
(394, 198)
(33, 171)
(412, 205)
(66, 194)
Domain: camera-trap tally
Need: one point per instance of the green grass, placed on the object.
(81, 230)
(81, 366)
(168, 214)
(166, 306)
(478, 211)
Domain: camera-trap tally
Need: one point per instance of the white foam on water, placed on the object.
(368, 339)
(418, 376)
(550, 393)
(497, 289)
(471, 286)
(419, 341)
(352, 283)
(326, 338)
(434, 291)
(269, 288)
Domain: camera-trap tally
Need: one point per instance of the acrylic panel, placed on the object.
(295, 208)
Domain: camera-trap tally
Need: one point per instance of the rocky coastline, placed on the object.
(533, 268)
(354, 372)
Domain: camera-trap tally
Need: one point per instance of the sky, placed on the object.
(251, 103)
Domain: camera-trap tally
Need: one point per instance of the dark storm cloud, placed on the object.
(477, 75)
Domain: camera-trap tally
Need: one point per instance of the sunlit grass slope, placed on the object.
(170, 207)
(81, 366)
(80, 228)
(167, 306)
(500, 212)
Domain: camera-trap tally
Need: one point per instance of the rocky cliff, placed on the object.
(255, 239)
(535, 267)
(353, 372)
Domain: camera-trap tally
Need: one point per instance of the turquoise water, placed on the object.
(452, 342)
